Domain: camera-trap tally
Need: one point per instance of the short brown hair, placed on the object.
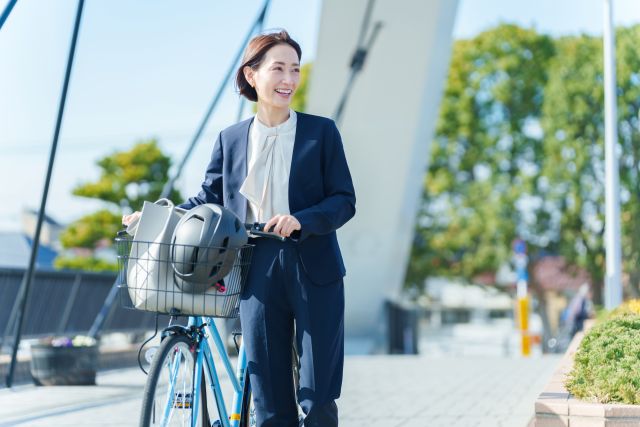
(254, 55)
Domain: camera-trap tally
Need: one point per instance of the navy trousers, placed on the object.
(277, 294)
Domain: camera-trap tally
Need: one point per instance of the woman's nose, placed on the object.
(288, 78)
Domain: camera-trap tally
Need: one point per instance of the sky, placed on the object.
(150, 68)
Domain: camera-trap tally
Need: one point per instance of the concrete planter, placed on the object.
(556, 407)
(52, 365)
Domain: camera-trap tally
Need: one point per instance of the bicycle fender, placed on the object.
(176, 330)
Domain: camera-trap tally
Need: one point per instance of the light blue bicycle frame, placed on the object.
(204, 353)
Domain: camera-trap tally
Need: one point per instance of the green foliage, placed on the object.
(127, 179)
(84, 263)
(573, 122)
(519, 152)
(485, 159)
(607, 362)
(628, 73)
(90, 229)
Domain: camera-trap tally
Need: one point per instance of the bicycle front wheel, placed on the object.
(169, 391)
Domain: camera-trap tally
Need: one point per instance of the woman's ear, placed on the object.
(248, 75)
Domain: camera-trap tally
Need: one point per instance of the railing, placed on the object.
(64, 303)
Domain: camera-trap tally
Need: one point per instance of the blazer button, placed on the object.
(231, 196)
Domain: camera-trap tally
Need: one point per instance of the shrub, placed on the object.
(629, 307)
(607, 364)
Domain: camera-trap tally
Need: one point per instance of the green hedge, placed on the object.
(607, 363)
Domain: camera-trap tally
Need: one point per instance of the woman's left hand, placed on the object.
(283, 225)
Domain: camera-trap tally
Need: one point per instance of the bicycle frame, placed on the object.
(204, 352)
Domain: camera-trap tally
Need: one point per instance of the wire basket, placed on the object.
(148, 279)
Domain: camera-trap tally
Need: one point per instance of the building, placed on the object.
(15, 246)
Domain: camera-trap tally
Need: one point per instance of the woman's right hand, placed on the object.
(128, 219)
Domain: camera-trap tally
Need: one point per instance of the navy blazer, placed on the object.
(321, 194)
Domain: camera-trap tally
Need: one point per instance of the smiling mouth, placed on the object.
(284, 92)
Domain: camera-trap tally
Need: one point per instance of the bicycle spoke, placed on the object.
(174, 369)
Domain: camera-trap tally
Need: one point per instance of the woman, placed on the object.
(288, 170)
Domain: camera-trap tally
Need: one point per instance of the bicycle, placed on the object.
(183, 365)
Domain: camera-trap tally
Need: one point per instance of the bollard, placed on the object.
(523, 323)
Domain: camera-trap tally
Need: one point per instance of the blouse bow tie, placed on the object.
(259, 187)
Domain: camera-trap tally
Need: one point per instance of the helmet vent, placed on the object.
(189, 262)
(214, 270)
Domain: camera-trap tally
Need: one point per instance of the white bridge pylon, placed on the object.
(387, 126)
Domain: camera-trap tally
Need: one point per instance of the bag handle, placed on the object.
(133, 225)
(164, 202)
(168, 203)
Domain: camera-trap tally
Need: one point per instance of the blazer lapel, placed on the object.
(295, 161)
(239, 171)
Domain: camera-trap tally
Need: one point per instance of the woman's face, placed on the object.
(277, 77)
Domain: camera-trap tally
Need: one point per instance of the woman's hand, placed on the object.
(128, 219)
(283, 225)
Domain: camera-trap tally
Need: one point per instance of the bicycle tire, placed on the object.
(182, 397)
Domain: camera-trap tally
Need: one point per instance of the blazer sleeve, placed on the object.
(211, 191)
(339, 204)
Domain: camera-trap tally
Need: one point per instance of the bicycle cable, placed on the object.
(145, 343)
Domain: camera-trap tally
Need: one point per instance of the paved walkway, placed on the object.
(377, 391)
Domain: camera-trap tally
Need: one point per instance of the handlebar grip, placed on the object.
(269, 235)
(257, 229)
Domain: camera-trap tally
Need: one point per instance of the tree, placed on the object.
(573, 168)
(519, 152)
(628, 78)
(574, 128)
(485, 157)
(127, 179)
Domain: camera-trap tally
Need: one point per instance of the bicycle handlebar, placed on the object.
(257, 229)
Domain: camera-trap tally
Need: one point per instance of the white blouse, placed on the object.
(269, 154)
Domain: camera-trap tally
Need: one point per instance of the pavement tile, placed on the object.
(377, 391)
